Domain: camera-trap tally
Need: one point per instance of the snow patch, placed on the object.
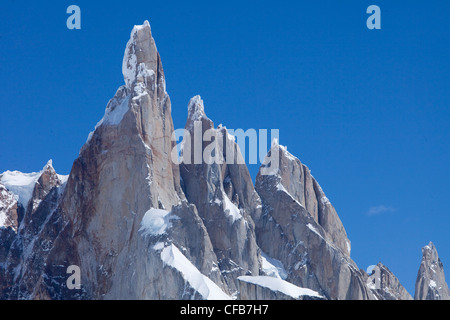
(273, 267)
(20, 184)
(156, 222)
(158, 246)
(113, 115)
(2, 219)
(63, 178)
(173, 257)
(280, 285)
(231, 208)
(287, 153)
(280, 187)
(349, 246)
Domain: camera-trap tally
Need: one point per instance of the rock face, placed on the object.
(25, 244)
(389, 287)
(142, 222)
(430, 283)
(317, 256)
(223, 194)
(9, 216)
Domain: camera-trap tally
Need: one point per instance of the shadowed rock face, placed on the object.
(141, 226)
(430, 283)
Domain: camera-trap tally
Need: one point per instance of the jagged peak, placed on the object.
(196, 110)
(282, 150)
(48, 165)
(140, 52)
(429, 251)
(429, 246)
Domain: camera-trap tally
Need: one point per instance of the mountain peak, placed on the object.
(196, 108)
(140, 54)
(48, 165)
(430, 283)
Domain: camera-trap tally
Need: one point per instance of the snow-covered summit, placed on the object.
(140, 49)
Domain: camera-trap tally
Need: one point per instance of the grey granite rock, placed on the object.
(430, 283)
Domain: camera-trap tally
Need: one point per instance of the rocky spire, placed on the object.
(223, 194)
(389, 287)
(430, 283)
(141, 57)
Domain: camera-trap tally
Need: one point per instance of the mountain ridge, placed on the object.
(143, 227)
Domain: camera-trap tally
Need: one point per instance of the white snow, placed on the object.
(173, 257)
(63, 178)
(158, 246)
(349, 246)
(196, 110)
(3, 217)
(313, 229)
(280, 285)
(8, 201)
(20, 184)
(432, 284)
(113, 115)
(280, 187)
(231, 208)
(273, 267)
(287, 153)
(129, 58)
(156, 222)
(325, 200)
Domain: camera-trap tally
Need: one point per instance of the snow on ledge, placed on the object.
(276, 284)
(231, 209)
(173, 257)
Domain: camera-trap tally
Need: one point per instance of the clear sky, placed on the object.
(367, 110)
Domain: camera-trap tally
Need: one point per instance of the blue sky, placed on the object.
(367, 110)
